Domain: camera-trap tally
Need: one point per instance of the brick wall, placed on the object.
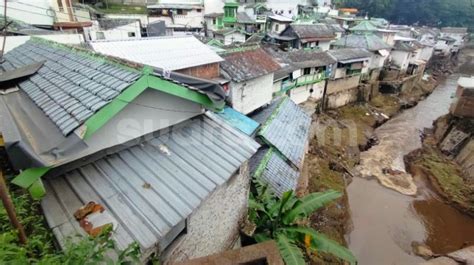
(214, 227)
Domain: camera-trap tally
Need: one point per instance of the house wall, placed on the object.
(401, 59)
(233, 37)
(149, 112)
(129, 31)
(443, 47)
(343, 91)
(304, 93)
(252, 94)
(213, 6)
(207, 71)
(277, 27)
(214, 226)
(192, 19)
(23, 11)
(426, 53)
(377, 61)
(276, 86)
(15, 41)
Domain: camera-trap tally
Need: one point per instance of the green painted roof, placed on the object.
(364, 26)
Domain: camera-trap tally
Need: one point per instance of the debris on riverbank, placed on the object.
(448, 177)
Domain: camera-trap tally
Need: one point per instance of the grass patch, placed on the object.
(448, 177)
(387, 104)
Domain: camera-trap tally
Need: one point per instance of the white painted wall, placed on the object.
(193, 19)
(231, 38)
(149, 112)
(443, 47)
(426, 53)
(213, 6)
(304, 93)
(24, 11)
(401, 59)
(377, 61)
(15, 41)
(252, 94)
(276, 86)
(119, 33)
(277, 27)
(289, 7)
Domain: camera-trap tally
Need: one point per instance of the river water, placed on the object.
(387, 218)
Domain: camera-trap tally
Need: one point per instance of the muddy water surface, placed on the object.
(385, 220)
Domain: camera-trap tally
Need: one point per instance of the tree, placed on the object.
(280, 219)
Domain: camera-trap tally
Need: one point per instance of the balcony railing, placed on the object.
(302, 81)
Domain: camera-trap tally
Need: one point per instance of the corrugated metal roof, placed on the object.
(364, 26)
(170, 53)
(238, 120)
(267, 165)
(151, 188)
(111, 23)
(248, 64)
(350, 54)
(312, 31)
(287, 130)
(70, 87)
(365, 41)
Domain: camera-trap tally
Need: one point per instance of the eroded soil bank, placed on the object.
(379, 224)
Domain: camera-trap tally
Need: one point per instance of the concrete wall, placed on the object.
(465, 159)
(342, 91)
(377, 61)
(303, 93)
(214, 226)
(276, 86)
(208, 71)
(401, 59)
(15, 41)
(252, 94)
(342, 98)
(192, 19)
(23, 11)
(231, 38)
(129, 31)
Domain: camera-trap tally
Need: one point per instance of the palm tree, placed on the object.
(280, 219)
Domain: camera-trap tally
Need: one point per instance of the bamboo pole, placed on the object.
(10, 208)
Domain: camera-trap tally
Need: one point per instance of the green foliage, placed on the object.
(424, 12)
(281, 219)
(289, 250)
(40, 249)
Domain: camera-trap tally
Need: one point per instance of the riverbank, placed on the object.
(445, 174)
(341, 136)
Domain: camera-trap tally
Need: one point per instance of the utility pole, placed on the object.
(10, 209)
(4, 32)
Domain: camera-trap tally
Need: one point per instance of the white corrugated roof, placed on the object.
(170, 53)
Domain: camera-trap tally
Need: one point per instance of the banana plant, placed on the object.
(280, 219)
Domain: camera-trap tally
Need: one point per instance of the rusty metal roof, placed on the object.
(248, 64)
(311, 31)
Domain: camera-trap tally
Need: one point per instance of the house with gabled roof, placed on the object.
(84, 129)
(343, 84)
(299, 36)
(182, 54)
(369, 41)
(303, 74)
(250, 71)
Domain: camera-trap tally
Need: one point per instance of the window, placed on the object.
(277, 26)
(199, 10)
(60, 5)
(180, 12)
(307, 71)
(100, 35)
(131, 34)
(213, 21)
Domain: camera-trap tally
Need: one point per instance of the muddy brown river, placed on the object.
(385, 220)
